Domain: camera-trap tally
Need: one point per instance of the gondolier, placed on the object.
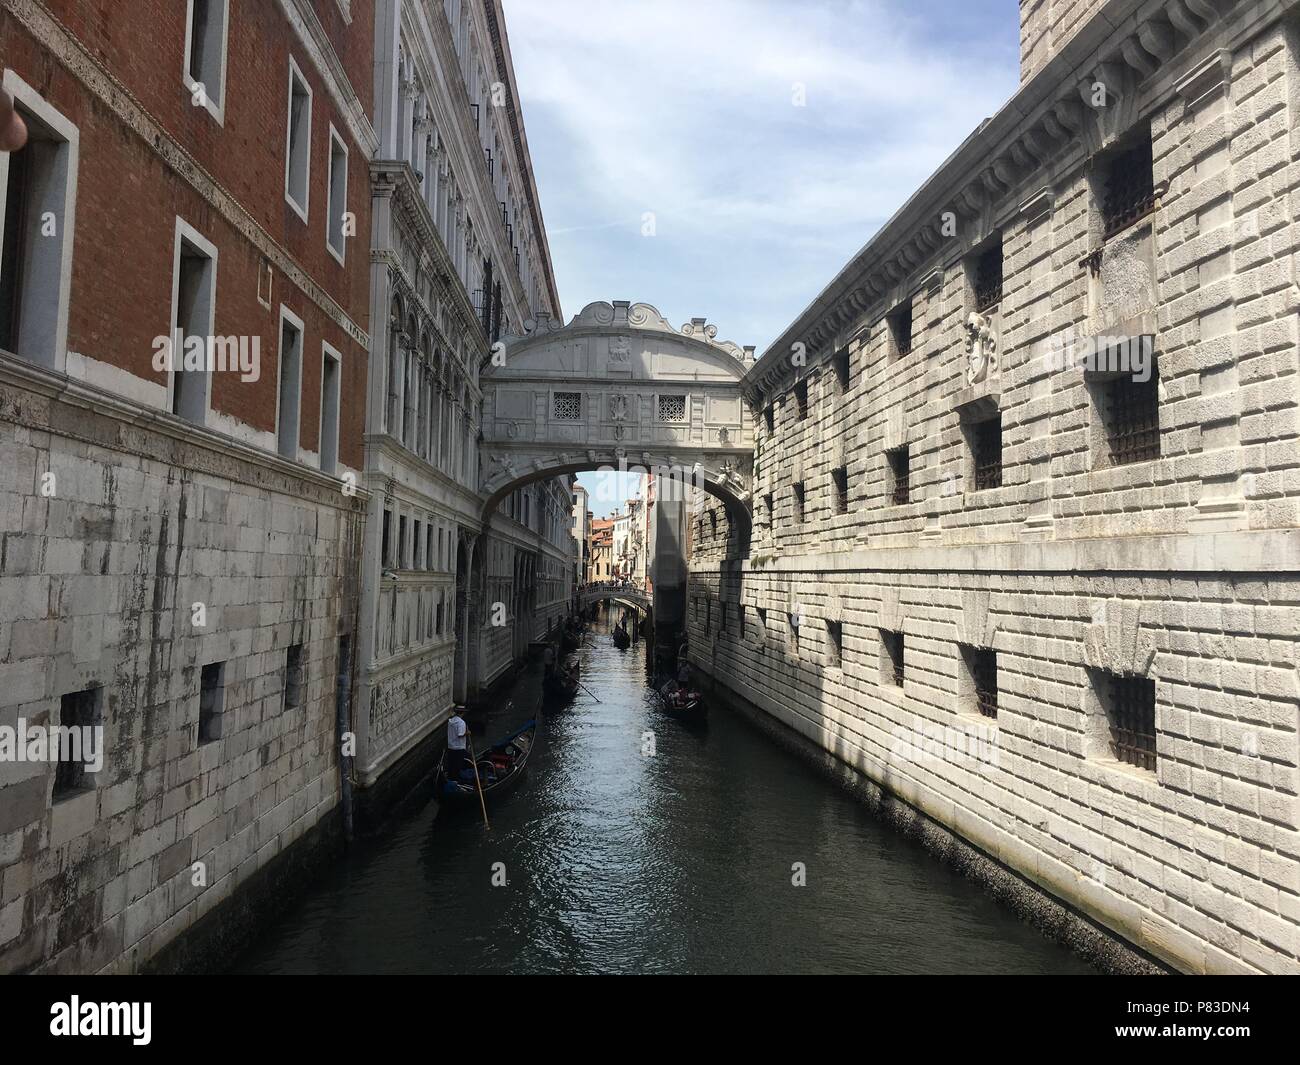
(456, 733)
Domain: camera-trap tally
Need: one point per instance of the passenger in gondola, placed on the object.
(548, 659)
(457, 730)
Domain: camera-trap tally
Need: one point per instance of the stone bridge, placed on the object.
(619, 388)
(630, 597)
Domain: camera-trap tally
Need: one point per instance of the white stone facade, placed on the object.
(1181, 570)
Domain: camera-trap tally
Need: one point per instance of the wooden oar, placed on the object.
(588, 691)
(477, 783)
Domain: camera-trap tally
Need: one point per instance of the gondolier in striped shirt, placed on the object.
(456, 733)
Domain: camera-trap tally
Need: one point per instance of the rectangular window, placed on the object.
(900, 328)
(567, 407)
(981, 665)
(205, 55)
(801, 399)
(1128, 189)
(792, 622)
(82, 711)
(840, 489)
(38, 194)
(336, 228)
(297, 160)
(769, 416)
(386, 553)
(986, 452)
(672, 408)
(212, 701)
(417, 545)
(1130, 705)
(194, 300)
(430, 559)
(401, 542)
(289, 399)
(798, 499)
(293, 677)
(834, 644)
(331, 368)
(899, 475)
(891, 657)
(1130, 415)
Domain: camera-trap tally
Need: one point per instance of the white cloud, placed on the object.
(684, 108)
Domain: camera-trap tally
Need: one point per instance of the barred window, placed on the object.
(891, 660)
(212, 701)
(801, 399)
(1130, 704)
(982, 669)
(1130, 412)
(840, 361)
(672, 408)
(899, 475)
(567, 407)
(900, 328)
(799, 515)
(834, 644)
(840, 489)
(77, 710)
(988, 277)
(770, 417)
(1130, 191)
(986, 449)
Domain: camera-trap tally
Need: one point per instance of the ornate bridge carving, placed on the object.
(619, 388)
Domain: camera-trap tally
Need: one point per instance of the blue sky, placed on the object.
(769, 139)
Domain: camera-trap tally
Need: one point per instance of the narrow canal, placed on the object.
(623, 862)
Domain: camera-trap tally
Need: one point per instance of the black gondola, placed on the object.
(678, 701)
(500, 768)
(621, 638)
(560, 686)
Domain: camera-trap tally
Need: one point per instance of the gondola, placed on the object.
(685, 703)
(621, 638)
(561, 684)
(500, 768)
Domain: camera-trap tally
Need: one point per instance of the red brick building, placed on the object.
(179, 545)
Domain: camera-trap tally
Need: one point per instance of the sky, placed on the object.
(725, 158)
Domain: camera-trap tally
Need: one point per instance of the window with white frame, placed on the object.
(206, 25)
(38, 198)
(331, 369)
(194, 298)
(289, 401)
(297, 161)
(336, 225)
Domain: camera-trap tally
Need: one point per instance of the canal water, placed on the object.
(620, 861)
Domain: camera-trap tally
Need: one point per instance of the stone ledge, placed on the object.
(1263, 551)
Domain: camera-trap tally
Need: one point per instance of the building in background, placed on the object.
(602, 550)
(581, 534)
(451, 596)
(184, 335)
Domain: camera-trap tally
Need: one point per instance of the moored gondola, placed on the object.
(686, 703)
(500, 768)
(561, 684)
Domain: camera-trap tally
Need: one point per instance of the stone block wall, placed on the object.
(1178, 570)
(146, 522)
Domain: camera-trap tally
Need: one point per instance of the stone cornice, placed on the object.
(252, 466)
(1252, 552)
(1046, 125)
(506, 73)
